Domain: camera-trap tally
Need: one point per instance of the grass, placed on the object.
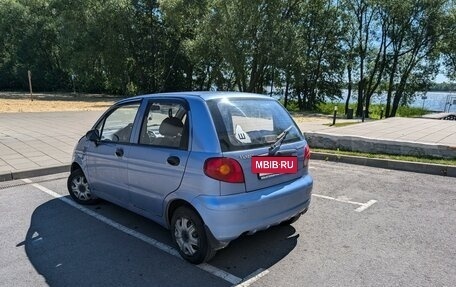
(451, 162)
(411, 112)
(374, 110)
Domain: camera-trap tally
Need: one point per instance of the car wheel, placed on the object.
(79, 189)
(187, 231)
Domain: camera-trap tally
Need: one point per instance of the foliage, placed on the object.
(328, 108)
(374, 112)
(448, 46)
(305, 51)
(443, 87)
(404, 111)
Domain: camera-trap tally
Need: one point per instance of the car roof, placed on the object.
(204, 95)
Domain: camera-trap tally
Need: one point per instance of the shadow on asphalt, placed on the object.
(264, 249)
(70, 248)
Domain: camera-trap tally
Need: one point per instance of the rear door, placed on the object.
(249, 127)
(156, 165)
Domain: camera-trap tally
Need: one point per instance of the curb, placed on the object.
(434, 169)
(34, 172)
(374, 145)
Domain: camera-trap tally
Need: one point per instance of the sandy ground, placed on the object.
(21, 102)
(16, 102)
(15, 106)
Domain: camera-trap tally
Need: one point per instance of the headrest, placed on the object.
(171, 127)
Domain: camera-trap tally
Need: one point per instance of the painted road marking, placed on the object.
(252, 278)
(363, 206)
(159, 245)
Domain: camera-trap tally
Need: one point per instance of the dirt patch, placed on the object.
(21, 102)
(302, 118)
(19, 106)
(18, 102)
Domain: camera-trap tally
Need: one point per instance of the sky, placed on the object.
(441, 78)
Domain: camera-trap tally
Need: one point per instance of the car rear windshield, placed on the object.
(244, 123)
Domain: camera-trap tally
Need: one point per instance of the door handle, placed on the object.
(173, 160)
(119, 152)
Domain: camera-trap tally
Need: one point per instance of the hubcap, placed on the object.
(186, 236)
(80, 188)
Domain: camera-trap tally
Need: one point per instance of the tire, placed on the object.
(189, 235)
(291, 220)
(79, 189)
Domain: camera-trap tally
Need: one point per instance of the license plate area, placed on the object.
(267, 175)
(270, 166)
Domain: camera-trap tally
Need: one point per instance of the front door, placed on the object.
(106, 160)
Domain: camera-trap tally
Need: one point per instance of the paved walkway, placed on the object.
(402, 136)
(427, 131)
(31, 141)
(37, 141)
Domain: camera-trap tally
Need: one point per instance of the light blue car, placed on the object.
(206, 165)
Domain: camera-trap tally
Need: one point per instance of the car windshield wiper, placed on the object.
(279, 140)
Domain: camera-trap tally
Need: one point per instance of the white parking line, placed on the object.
(163, 247)
(252, 278)
(363, 206)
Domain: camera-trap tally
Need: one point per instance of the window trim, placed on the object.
(109, 112)
(222, 130)
(186, 130)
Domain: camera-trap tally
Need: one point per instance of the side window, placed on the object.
(117, 126)
(165, 124)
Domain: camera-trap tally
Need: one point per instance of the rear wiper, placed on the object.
(279, 140)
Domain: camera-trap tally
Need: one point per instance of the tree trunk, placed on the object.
(287, 86)
(349, 88)
(359, 107)
(376, 76)
(253, 75)
(298, 93)
(396, 101)
(391, 86)
(209, 80)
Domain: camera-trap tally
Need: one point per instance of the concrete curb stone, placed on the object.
(34, 172)
(434, 169)
(372, 145)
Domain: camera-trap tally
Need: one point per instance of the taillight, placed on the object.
(224, 169)
(306, 155)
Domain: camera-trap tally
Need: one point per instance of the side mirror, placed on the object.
(93, 136)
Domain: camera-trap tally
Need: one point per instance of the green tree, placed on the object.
(31, 45)
(13, 22)
(416, 30)
(304, 49)
(366, 40)
(319, 67)
(448, 46)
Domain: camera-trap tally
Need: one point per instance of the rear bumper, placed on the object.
(227, 217)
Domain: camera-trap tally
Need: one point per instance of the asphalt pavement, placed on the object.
(365, 227)
(33, 144)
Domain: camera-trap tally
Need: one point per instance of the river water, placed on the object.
(432, 101)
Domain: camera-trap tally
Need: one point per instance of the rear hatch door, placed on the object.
(249, 127)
